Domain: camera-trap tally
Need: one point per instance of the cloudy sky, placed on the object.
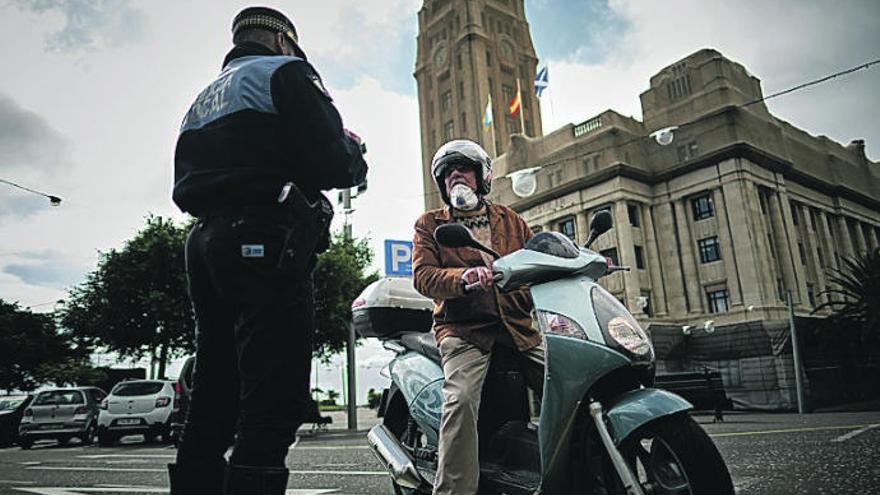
(92, 93)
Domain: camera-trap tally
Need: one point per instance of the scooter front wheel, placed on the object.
(674, 456)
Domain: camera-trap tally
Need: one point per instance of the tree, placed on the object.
(855, 303)
(339, 279)
(136, 303)
(33, 352)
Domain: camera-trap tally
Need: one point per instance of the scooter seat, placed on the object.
(423, 343)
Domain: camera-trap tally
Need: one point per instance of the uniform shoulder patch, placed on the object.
(316, 80)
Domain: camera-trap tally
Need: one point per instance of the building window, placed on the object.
(780, 289)
(591, 163)
(821, 257)
(703, 206)
(446, 101)
(811, 295)
(802, 253)
(461, 90)
(458, 62)
(488, 58)
(762, 200)
(511, 126)
(772, 246)
(633, 212)
(718, 300)
(794, 212)
(507, 93)
(640, 258)
(449, 130)
(813, 219)
(567, 227)
(710, 250)
(610, 253)
(646, 295)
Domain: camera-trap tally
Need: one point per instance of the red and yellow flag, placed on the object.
(515, 103)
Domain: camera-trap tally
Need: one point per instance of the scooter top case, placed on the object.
(390, 307)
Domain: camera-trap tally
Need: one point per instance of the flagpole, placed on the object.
(522, 119)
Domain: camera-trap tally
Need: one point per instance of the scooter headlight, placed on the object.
(619, 326)
(556, 324)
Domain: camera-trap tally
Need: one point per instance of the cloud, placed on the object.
(49, 268)
(353, 39)
(30, 150)
(783, 43)
(575, 30)
(88, 24)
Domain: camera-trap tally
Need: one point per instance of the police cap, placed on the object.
(265, 18)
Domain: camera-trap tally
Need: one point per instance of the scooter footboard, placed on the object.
(632, 409)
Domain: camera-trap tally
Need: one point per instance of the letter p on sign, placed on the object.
(398, 258)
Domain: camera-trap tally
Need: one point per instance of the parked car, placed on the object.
(182, 394)
(61, 414)
(137, 407)
(11, 410)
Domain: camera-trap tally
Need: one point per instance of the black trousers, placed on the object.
(254, 315)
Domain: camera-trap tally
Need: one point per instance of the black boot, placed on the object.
(255, 480)
(197, 479)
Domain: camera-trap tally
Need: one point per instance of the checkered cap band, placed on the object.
(262, 21)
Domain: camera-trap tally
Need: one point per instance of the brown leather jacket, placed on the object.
(476, 316)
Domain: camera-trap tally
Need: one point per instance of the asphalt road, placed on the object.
(767, 454)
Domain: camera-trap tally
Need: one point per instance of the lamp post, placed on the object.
(796, 355)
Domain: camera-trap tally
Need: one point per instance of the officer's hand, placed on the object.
(479, 274)
(356, 138)
(353, 136)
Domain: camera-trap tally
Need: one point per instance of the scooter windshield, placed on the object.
(554, 244)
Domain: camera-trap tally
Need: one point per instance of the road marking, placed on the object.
(145, 489)
(30, 463)
(847, 436)
(155, 470)
(123, 456)
(788, 430)
(17, 482)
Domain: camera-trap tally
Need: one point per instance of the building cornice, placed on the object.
(735, 150)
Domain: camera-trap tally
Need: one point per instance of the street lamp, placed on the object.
(524, 181)
(665, 136)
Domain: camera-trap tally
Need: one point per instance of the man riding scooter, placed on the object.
(471, 317)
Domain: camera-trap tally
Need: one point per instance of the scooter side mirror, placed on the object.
(600, 224)
(456, 235)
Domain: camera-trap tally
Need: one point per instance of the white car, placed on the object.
(137, 407)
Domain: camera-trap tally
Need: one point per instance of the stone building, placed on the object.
(718, 225)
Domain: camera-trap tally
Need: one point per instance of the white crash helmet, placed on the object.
(467, 152)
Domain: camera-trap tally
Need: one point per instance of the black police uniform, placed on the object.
(255, 150)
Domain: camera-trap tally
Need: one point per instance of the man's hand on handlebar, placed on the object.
(477, 277)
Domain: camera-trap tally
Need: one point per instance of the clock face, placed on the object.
(440, 56)
(506, 50)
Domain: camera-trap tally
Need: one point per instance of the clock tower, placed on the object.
(469, 51)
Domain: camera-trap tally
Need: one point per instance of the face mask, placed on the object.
(463, 197)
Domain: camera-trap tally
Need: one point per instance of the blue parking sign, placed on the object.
(398, 258)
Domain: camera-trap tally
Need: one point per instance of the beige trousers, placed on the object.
(464, 369)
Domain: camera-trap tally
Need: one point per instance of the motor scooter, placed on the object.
(601, 429)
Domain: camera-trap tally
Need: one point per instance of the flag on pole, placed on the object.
(516, 102)
(542, 80)
(487, 115)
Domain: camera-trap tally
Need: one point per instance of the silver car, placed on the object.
(61, 414)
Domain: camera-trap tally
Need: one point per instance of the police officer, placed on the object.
(255, 150)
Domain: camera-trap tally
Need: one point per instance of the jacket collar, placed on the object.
(494, 211)
(247, 49)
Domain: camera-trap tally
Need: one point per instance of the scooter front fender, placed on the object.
(630, 410)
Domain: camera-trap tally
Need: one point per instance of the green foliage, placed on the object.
(136, 303)
(33, 352)
(855, 302)
(339, 279)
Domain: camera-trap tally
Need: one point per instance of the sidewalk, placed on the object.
(366, 419)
